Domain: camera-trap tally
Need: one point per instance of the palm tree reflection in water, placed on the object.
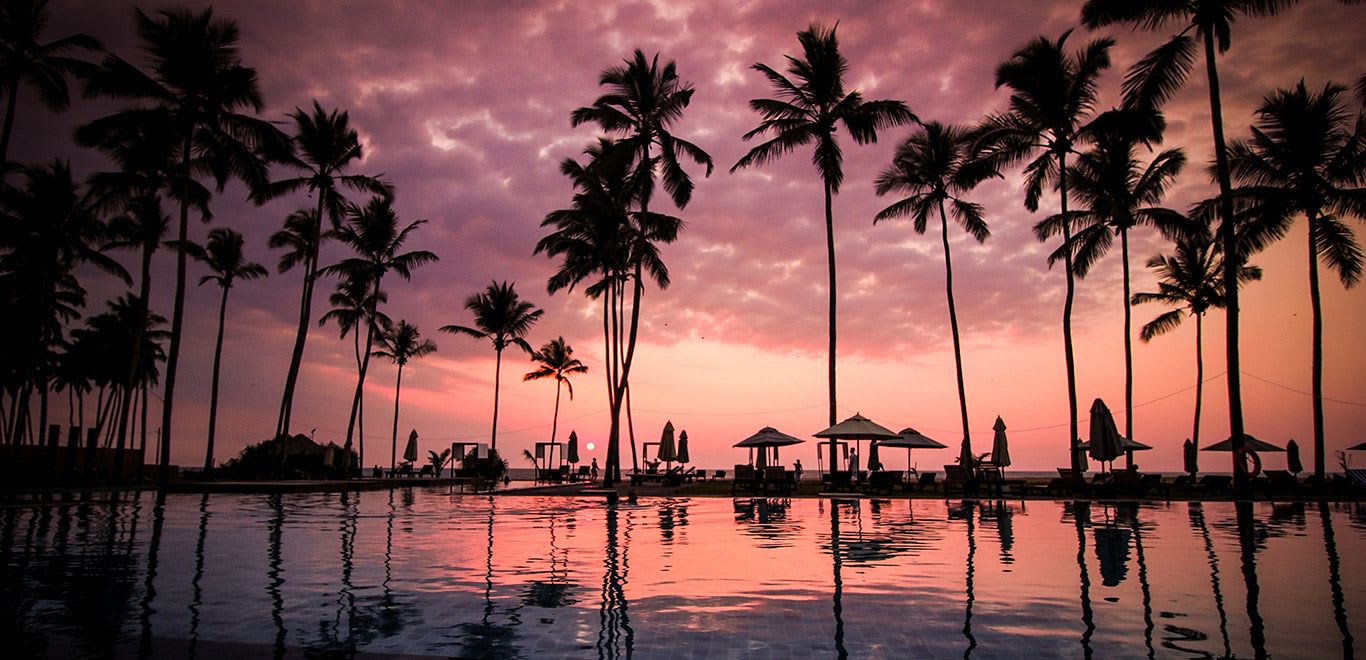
(273, 580)
(839, 580)
(1081, 516)
(1197, 520)
(149, 591)
(196, 583)
(968, 513)
(1335, 580)
(615, 634)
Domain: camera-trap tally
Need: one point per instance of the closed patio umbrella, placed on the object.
(1191, 456)
(1106, 444)
(1000, 452)
(1292, 458)
(410, 452)
(573, 447)
(667, 452)
(683, 447)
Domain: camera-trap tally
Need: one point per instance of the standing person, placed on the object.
(798, 469)
(595, 469)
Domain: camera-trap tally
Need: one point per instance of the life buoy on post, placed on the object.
(1249, 463)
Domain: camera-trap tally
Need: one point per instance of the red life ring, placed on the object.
(1249, 463)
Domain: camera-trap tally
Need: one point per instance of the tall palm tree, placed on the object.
(1191, 280)
(223, 255)
(809, 108)
(934, 167)
(1154, 80)
(196, 76)
(1117, 193)
(503, 318)
(1052, 94)
(326, 145)
(556, 360)
(373, 233)
(400, 344)
(642, 102)
(1307, 156)
(24, 58)
(352, 305)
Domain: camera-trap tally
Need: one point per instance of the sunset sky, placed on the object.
(464, 107)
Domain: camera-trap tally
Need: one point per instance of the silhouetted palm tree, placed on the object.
(935, 166)
(352, 303)
(400, 344)
(1117, 193)
(1052, 92)
(1192, 280)
(223, 255)
(373, 233)
(503, 318)
(326, 145)
(43, 66)
(50, 228)
(557, 361)
(642, 102)
(104, 346)
(1307, 156)
(198, 79)
(1153, 81)
(601, 240)
(808, 109)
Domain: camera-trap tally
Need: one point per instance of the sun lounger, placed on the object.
(882, 482)
(427, 471)
(719, 474)
(1217, 484)
(777, 479)
(746, 480)
(956, 478)
(838, 481)
(584, 474)
(925, 481)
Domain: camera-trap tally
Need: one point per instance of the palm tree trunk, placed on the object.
(135, 359)
(555, 420)
(360, 394)
(9, 117)
(953, 326)
(1128, 349)
(177, 325)
(1072, 438)
(393, 442)
(213, 388)
(497, 376)
(830, 259)
(301, 334)
(625, 384)
(608, 373)
(1199, 375)
(1317, 364)
(1232, 262)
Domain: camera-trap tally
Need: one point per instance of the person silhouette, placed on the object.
(798, 469)
(594, 470)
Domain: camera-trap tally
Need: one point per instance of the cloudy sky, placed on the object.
(465, 106)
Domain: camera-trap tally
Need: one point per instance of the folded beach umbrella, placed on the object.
(1292, 457)
(1191, 457)
(873, 462)
(1248, 441)
(410, 452)
(667, 452)
(683, 447)
(1000, 452)
(573, 447)
(1106, 444)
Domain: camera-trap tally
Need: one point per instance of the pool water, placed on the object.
(422, 572)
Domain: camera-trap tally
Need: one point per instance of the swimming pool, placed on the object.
(418, 571)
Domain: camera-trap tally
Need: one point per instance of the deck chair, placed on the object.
(925, 481)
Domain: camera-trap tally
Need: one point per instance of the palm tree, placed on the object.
(1153, 81)
(400, 344)
(1115, 192)
(557, 361)
(326, 145)
(502, 317)
(642, 102)
(934, 167)
(809, 108)
(50, 227)
(44, 66)
(197, 78)
(1191, 280)
(352, 303)
(373, 233)
(103, 344)
(223, 255)
(1307, 156)
(1052, 92)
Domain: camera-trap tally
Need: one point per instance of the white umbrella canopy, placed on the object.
(1106, 443)
(1000, 451)
(410, 452)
